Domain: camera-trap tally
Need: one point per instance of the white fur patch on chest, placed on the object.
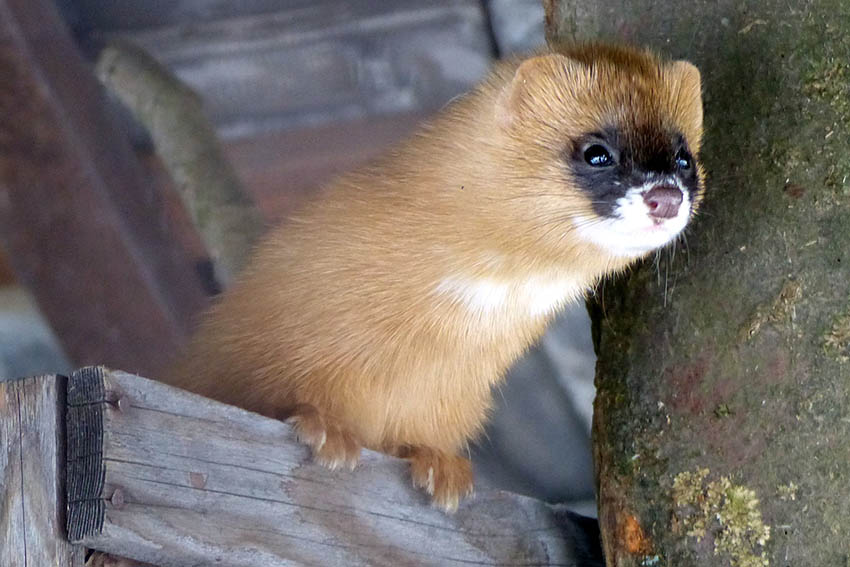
(481, 295)
(536, 296)
(547, 296)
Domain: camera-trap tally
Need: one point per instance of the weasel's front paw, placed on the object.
(332, 445)
(447, 478)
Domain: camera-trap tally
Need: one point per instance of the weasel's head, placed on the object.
(610, 138)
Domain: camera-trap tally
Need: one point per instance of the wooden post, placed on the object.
(31, 475)
(167, 477)
(83, 229)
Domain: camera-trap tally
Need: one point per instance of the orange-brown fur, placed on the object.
(337, 321)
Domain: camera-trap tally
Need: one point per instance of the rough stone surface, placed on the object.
(732, 356)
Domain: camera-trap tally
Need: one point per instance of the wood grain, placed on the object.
(31, 475)
(189, 481)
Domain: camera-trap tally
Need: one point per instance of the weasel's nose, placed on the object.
(663, 201)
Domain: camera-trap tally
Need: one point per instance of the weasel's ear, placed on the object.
(689, 94)
(688, 74)
(535, 78)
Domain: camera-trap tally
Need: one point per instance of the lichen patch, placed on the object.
(787, 491)
(777, 310)
(634, 539)
(725, 512)
(836, 341)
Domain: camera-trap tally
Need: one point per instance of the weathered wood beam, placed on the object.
(84, 230)
(295, 59)
(32, 475)
(226, 218)
(171, 478)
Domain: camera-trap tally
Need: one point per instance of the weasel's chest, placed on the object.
(492, 301)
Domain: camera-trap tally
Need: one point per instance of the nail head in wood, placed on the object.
(117, 499)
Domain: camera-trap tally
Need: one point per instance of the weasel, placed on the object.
(384, 311)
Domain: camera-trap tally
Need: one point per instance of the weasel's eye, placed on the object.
(683, 159)
(598, 155)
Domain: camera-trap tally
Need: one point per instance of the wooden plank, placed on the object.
(170, 478)
(131, 14)
(32, 475)
(280, 169)
(83, 230)
(321, 61)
